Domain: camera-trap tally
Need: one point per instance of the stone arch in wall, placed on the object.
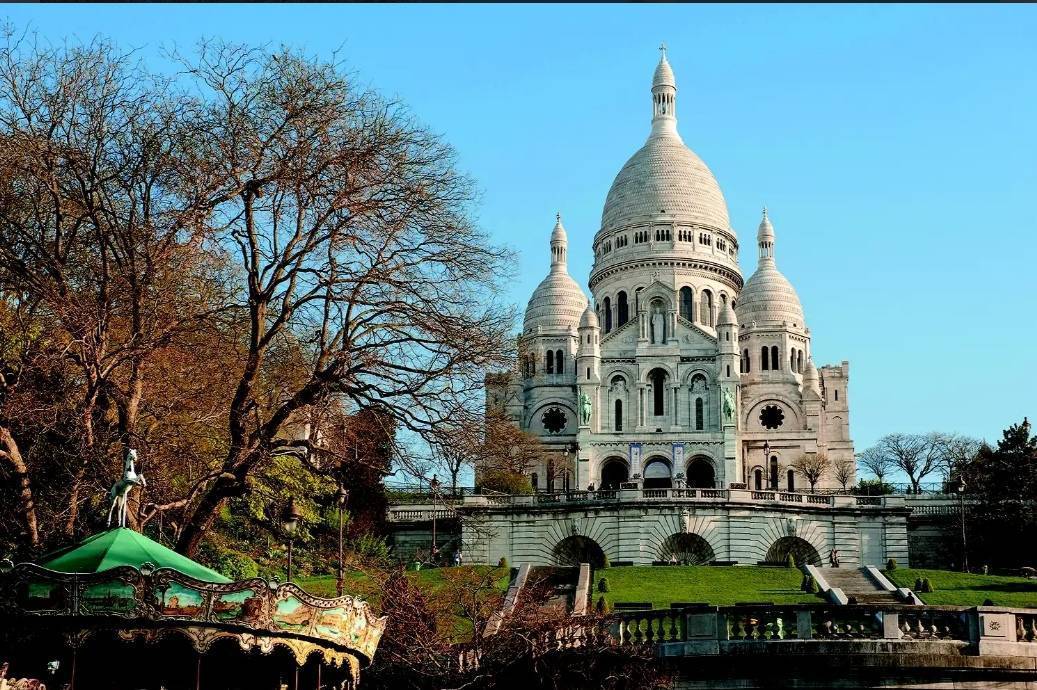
(657, 473)
(686, 548)
(552, 417)
(614, 471)
(774, 413)
(802, 550)
(576, 549)
(700, 473)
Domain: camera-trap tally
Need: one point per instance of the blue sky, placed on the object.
(894, 146)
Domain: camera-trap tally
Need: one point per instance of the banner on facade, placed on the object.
(678, 457)
(635, 458)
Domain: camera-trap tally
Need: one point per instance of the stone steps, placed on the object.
(855, 583)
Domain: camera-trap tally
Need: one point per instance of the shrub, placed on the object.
(605, 563)
(603, 584)
(814, 587)
(926, 585)
(370, 547)
(891, 565)
(790, 562)
(601, 606)
(918, 584)
(503, 562)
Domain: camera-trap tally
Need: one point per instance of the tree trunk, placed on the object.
(10, 452)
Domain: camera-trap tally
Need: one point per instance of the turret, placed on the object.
(664, 97)
(727, 341)
(588, 352)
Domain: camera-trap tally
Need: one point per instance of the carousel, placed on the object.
(119, 611)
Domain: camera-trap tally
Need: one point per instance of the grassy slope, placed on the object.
(967, 589)
(717, 585)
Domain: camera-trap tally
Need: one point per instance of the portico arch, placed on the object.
(614, 471)
(687, 549)
(700, 473)
(802, 550)
(658, 473)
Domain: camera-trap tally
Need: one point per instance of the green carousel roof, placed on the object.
(120, 547)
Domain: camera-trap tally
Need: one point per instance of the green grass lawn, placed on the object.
(716, 585)
(968, 589)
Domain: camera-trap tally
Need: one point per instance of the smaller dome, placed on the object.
(727, 317)
(589, 318)
(664, 74)
(558, 302)
(766, 231)
(811, 380)
(558, 234)
(768, 297)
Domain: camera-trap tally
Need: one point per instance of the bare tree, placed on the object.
(355, 245)
(875, 461)
(844, 470)
(813, 466)
(957, 453)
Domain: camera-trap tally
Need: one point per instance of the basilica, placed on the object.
(677, 372)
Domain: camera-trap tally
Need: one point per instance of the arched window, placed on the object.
(658, 384)
(837, 394)
(792, 359)
(550, 362)
(624, 311)
(747, 360)
(775, 362)
(699, 414)
(686, 301)
(799, 362)
(758, 479)
(608, 315)
(637, 299)
(774, 471)
(706, 308)
(764, 357)
(588, 373)
(619, 415)
(792, 480)
(559, 362)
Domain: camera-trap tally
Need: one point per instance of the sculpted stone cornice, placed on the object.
(725, 274)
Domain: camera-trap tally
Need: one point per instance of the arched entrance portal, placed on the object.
(687, 549)
(701, 474)
(800, 549)
(572, 551)
(657, 474)
(613, 473)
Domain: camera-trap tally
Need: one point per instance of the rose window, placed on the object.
(771, 417)
(554, 420)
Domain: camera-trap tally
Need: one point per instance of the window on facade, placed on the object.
(559, 362)
(772, 417)
(699, 414)
(799, 362)
(758, 479)
(608, 314)
(747, 360)
(792, 359)
(775, 362)
(774, 472)
(836, 393)
(706, 308)
(550, 362)
(765, 353)
(588, 373)
(686, 301)
(729, 370)
(622, 308)
(619, 415)
(658, 381)
(791, 480)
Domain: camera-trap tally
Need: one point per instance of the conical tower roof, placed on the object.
(125, 547)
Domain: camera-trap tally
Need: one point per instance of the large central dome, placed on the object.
(664, 179)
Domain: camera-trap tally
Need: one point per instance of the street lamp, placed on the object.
(290, 518)
(341, 496)
(766, 464)
(434, 484)
(961, 508)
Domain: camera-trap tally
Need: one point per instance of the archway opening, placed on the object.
(701, 474)
(572, 551)
(613, 473)
(800, 549)
(686, 549)
(658, 474)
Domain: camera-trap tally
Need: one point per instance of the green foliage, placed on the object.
(605, 563)
(602, 606)
(790, 562)
(891, 565)
(872, 487)
(603, 584)
(505, 481)
(951, 588)
(370, 547)
(502, 563)
(234, 564)
(717, 585)
(814, 587)
(927, 586)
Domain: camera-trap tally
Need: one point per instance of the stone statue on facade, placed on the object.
(120, 491)
(729, 405)
(585, 408)
(658, 326)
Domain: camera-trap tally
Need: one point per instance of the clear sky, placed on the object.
(894, 146)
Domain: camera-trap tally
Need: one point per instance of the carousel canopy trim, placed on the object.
(125, 547)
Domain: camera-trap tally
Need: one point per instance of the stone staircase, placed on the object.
(857, 585)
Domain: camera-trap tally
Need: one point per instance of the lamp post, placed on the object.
(766, 464)
(290, 522)
(340, 498)
(961, 508)
(434, 485)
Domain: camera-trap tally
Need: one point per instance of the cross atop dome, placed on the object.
(662, 49)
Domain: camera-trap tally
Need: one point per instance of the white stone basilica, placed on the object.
(677, 372)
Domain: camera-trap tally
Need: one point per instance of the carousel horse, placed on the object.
(120, 491)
